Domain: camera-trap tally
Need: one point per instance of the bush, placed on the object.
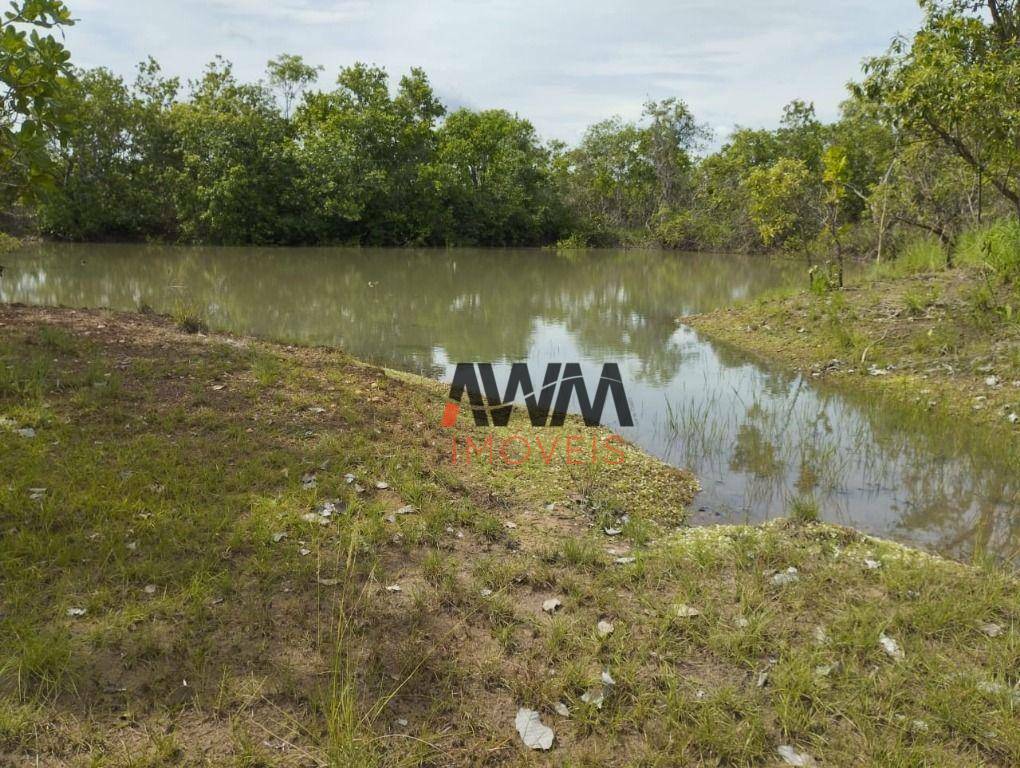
(917, 255)
(995, 247)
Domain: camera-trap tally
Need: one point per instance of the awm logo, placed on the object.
(547, 408)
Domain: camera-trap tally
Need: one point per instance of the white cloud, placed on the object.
(564, 65)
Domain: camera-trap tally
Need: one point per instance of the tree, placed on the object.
(780, 203)
(955, 84)
(494, 177)
(835, 178)
(290, 76)
(364, 154)
(34, 68)
(239, 176)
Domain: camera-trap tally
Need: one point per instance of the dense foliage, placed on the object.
(927, 142)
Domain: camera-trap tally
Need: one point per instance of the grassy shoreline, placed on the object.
(934, 340)
(173, 594)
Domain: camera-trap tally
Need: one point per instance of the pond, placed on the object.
(756, 436)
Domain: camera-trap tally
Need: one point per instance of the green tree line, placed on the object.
(927, 141)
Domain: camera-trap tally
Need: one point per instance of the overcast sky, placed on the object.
(563, 64)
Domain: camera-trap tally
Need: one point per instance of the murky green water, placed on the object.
(754, 435)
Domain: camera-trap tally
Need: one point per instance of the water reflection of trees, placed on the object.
(884, 467)
(395, 307)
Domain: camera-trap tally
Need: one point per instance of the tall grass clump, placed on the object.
(919, 254)
(995, 247)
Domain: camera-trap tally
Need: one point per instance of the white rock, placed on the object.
(551, 605)
(348, 478)
(149, 589)
(604, 628)
(561, 709)
(76, 612)
(991, 629)
(684, 611)
(607, 679)
(533, 733)
(393, 588)
(405, 510)
(791, 756)
(891, 647)
(26, 432)
(594, 697)
(278, 537)
(486, 592)
(625, 560)
(872, 565)
(789, 576)
(613, 531)
(381, 486)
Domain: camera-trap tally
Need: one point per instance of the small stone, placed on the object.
(604, 628)
(789, 576)
(348, 478)
(607, 679)
(551, 605)
(991, 629)
(891, 647)
(26, 432)
(76, 612)
(278, 537)
(407, 509)
(304, 551)
(625, 560)
(594, 697)
(561, 709)
(791, 756)
(684, 611)
(394, 588)
(485, 592)
(532, 731)
(381, 486)
(149, 589)
(872, 565)
(613, 531)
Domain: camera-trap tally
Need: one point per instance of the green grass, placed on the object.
(175, 515)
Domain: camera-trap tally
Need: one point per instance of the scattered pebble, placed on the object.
(613, 531)
(304, 551)
(872, 565)
(509, 524)
(891, 647)
(604, 628)
(149, 589)
(625, 560)
(551, 605)
(594, 697)
(684, 611)
(485, 592)
(348, 478)
(381, 486)
(278, 537)
(791, 756)
(789, 576)
(607, 679)
(76, 612)
(991, 629)
(407, 509)
(532, 731)
(26, 432)
(561, 709)
(394, 588)
(328, 582)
